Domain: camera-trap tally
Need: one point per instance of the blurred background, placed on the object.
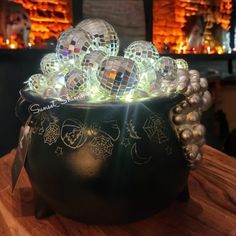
(202, 32)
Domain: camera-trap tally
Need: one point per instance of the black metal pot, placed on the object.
(103, 163)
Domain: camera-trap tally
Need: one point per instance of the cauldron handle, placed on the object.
(22, 110)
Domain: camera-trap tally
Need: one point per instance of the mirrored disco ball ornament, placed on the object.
(50, 92)
(181, 64)
(37, 83)
(73, 44)
(104, 35)
(147, 80)
(49, 64)
(57, 81)
(166, 71)
(91, 63)
(118, 75)
(75, 82)
(166, 67)
(143, 53)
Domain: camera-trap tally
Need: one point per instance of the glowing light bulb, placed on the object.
(12, 46)
(208, 49)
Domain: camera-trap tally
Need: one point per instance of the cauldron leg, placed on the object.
(41, 208)
(184, 195)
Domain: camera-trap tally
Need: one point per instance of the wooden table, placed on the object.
(210, 211)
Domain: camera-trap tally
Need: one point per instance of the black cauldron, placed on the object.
(103, 163)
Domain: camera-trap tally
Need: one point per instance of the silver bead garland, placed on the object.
(186, 115)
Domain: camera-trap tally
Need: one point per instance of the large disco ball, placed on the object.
(118, 75)
(105, 36)
(143, 53)
(73, 44)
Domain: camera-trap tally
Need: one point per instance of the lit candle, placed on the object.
(12, 46)
(208, 49)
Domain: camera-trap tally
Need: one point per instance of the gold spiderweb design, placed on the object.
(154, 128)
(102, 146)
(51, 134)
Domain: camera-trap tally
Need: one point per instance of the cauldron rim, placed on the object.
(33, 98)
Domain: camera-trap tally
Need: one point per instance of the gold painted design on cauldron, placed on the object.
(41, 131)
(131, 130)
(125, 142)
(41, 121)
(101, 146)
(52, 133)
(59, 151)
(112, 124)
(154, 128)
(100, 139)
(137, 159)
(73, 133)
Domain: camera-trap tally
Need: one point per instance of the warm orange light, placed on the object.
(48, 19)
(220, 50)
(13, 46)
(170, 17)
(208, 49)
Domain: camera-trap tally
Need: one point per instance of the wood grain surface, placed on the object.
(211, 209)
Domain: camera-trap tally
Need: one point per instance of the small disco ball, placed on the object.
(56, 80)
(166, 67)
(91, 63)
(104, 35)
(37, 83)
(118, 75)
(143, 53)
(73, 44)
(49, 64)
(75, 82)
(181, 64)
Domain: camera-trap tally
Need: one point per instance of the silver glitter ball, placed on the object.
(104, 35)
(118, 75)
(73, 44)
(143, 53)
